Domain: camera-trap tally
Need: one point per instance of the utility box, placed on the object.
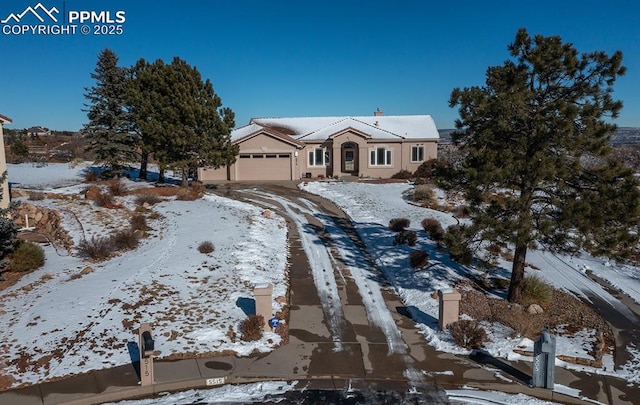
(544, 360)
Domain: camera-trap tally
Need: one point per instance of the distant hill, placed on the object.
(624, 136)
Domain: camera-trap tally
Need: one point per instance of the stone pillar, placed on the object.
(263, 293)
(146, 348)
(449, 307)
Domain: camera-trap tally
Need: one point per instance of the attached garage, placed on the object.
(264, 166)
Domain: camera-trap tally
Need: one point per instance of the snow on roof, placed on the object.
(378, 127)
(242, 132)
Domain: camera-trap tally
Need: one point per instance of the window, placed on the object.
(417, 153)
(319, 157)
(380, 157)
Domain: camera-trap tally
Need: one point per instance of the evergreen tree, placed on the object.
(108, 132)
(180, 118)
(8, 231)
(537, 170)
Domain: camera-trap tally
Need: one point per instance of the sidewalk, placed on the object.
(364, 363)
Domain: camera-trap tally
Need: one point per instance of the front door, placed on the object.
(350, 158)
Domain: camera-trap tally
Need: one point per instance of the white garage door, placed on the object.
(264, 166)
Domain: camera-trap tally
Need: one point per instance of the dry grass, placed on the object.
(252, 328)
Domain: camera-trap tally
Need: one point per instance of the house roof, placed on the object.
(377, 127)
(5, 119)
(251, 130)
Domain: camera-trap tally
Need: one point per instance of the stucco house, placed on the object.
(374, 146)
(4, 203)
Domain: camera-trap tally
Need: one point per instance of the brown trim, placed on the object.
(5, 119)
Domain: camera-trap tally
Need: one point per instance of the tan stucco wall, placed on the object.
(259, 144)
(3, 167)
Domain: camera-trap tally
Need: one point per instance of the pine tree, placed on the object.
(109, 129)
(8, 231)
(180, 118)
(537, 169)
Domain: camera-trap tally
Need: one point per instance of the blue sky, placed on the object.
(298, 58)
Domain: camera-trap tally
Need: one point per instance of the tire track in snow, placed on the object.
(369, 289)
(321, 267)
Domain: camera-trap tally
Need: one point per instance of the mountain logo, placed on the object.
(37, 11)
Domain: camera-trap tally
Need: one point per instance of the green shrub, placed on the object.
(104, 199)
(206, 247)
(147, 198)
(535, 291)
(97, 248)
(117, 187)
(457, 243)
(419, 259)
(468, 334)
(430, 169)
(27, 256)
(139, 222)
(399, 224)
(252, 327)
(433, 228)
(125, 239)
(402, 174)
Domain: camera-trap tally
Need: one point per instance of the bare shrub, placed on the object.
(408, 237)
(139, 222)
(434, 229)
(125, 239)
(252, 327)
(419, 259)
(468, 334)
(27, 256)
(283, 331)
(402, 174)
(535, 291)
(184, 194)
(104, 199)
(399, 224)
(147, 198)
(91, 176)
(206, 247)
(460, 211)
(36, 196)
(97, 248)
(117, 187)
(424, 192)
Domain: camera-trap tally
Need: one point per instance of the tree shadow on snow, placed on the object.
(417, 316)
(247, 305)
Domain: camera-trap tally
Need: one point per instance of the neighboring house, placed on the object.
(38, 131)
(291, 148)
(3, 164)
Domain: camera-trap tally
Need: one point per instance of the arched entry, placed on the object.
(349, 158)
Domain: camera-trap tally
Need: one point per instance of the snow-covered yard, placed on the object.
(372, 206)
(73, 315)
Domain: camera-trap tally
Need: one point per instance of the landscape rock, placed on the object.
(534, 309)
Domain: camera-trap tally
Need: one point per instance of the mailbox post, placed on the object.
(147, 346)
(544, 360)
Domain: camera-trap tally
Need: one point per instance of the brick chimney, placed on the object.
(378, 113)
